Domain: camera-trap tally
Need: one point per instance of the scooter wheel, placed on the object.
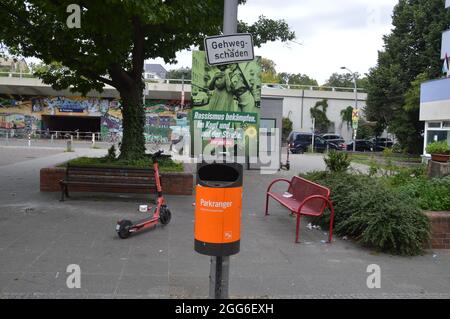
(165, 215)
(123, 229)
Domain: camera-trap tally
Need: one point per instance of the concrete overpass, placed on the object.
(297, 100)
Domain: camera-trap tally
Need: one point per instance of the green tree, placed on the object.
(319, 113)
(178, 73)
(346, 116)
(296, 79)
(345, 80)
(112, 43)
(411, 54)
(365, 130)
(286, 127)
(268, 72)
(412, 96)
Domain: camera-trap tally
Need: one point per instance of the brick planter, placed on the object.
(173, 183)
(440, 229)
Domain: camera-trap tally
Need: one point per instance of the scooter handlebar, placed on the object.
(157, 154)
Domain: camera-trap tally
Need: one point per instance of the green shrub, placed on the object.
(400, 176)
(388, 152)
(432, 195)
(437, 147)
(373, 167)
(385, 220)
(165, 164)
(337, 161)
(374, 213)
(341, 185)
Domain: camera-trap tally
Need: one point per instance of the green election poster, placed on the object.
(226, 101)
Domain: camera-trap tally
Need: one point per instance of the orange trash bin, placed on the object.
(218, 207)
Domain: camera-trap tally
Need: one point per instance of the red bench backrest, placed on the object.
(302, 188)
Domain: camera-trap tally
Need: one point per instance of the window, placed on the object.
(438, 136)
(434, 124)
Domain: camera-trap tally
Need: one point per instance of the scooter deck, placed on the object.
(144, 221)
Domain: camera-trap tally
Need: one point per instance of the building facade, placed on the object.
(435, 101)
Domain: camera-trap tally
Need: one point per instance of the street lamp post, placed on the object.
(356, 103)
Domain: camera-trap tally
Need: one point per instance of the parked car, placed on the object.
(331, 136)
(298, 142)
(339, 143)
(273, 86)
(361, 146)
(382, 142)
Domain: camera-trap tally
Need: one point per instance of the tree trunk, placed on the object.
(133, 140)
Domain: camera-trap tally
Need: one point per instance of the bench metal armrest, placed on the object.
(278, 180)
(325, 199)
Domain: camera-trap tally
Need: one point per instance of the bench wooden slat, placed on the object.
(109, 184)
(112, 178)
(107, 179)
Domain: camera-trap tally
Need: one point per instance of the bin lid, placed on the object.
(219, 175)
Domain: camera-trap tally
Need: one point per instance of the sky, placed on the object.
(330, 34)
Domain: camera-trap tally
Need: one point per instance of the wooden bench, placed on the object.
(107, 179)
(307, 198)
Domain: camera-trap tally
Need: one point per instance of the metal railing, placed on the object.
(310, 87)
(17, 75)
(188, 82)
(57, 135)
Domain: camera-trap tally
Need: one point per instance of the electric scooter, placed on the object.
(161, 213)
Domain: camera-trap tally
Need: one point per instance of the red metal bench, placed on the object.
(308, 199)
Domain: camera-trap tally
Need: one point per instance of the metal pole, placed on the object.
(218, 283)
(143, 94)
(220, 266)
(230, 13)
(182, 91)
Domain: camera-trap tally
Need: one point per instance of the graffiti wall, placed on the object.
(164, 118)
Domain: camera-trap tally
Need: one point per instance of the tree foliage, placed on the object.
(270, 75)
(113, 41)
(345, 80)
(268, 72)
(286, 127)
(346, 116)
(179, 73)
(411, 55)
(319, 113)
(296, 79)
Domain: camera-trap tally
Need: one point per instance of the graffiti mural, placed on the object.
(163, 117)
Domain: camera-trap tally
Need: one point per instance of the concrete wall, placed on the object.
(297, 105)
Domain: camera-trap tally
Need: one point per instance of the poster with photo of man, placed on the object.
(226, 100)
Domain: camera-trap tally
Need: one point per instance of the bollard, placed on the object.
(93, 139)
(69, 146)
(29, 140)
(51, 138)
